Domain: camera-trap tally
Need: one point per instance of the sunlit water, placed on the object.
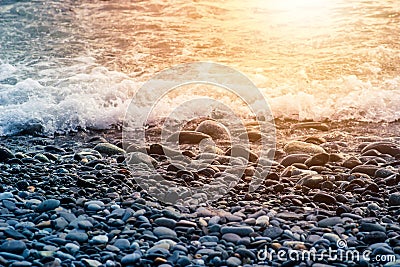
(65, 64)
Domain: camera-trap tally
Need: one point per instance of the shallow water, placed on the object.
(66, 64)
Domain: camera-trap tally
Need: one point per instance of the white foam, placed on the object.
(91, 96)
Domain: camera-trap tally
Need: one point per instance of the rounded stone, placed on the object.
(13, 246)
(214, 129)
(130, 259)
(164, 232)
(394, 199)
(47, 205)
(108, 149)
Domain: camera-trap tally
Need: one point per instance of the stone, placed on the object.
(42, 158)
(11, 256)
(215, 129)
(253, 136)
(188, 137)
(60, 223)
(233, 262)
(351, 162)
(5, 154)
(324, 198)
(85, 224)
(231, 237)
(241, 151)
(6, 195)
(367, 169)
(239, 230)
(384, 173)
(369, 227)
(164, 232)
(13, 246)
(208, 238)
(122, 244)
(47, 205)
(160, 149)
(286, 215)
(14, 234)
(130, 259)
(72, 248)
(331, 221)
(383, 147)
(331, 237)
(394, 199)
(314, 125)
(317, 160)
(139, 157)
(311, 181)
(262, 221)
(91, 263)
(273, 232)
(294, 158)
(108, 149)
(80, 237)
(375, 237)
(298, 147)
(99, 240)
(167, 222)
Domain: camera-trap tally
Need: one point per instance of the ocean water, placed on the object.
(70, 64)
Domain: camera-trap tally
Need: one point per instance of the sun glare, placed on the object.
(295, 17)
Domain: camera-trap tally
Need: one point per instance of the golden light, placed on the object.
(297, 13)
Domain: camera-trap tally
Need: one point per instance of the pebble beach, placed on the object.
(72, 200)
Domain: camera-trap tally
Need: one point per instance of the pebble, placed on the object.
(324, 198)
(164, 232)
(383, 147)
(47, 205)
(122, 244)
(80, 237)
(311, 181)
(215, 129)
(92, 263)
(262, 221)
(367, 169)
(188, 137)
(108, 149)
(394, 199)
(298, 147)
(130, 259)
(375, 237)
(351, 162)
(315, 125)
(85, 209)
(332, 221)
(241, 151)
(233, 262)
(294, 158)
(369, 227)
(331, 237)
(6, 195)
(140, 158)
(231, 237)
(317, 160)
(273, 232)
(239, 230)
(72, 248)
(5, 154)
(167, 222)
(99, 240)
(13, 246)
